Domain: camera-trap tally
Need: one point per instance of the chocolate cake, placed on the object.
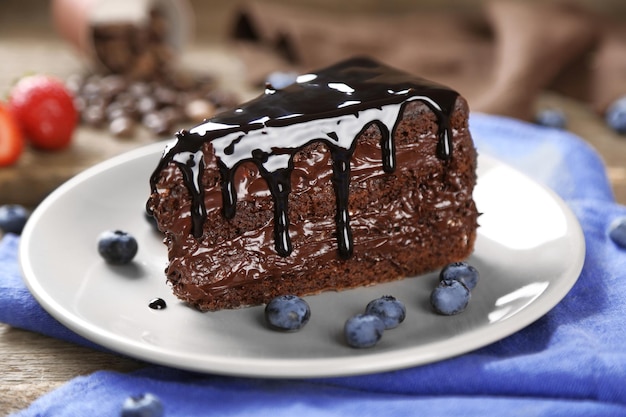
(354, 175)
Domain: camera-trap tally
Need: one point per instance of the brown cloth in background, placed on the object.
(500, 59)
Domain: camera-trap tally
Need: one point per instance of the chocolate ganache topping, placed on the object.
(334, 105)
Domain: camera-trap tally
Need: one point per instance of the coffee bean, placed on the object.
(139, 89)
(113, 84)
(157, 123)
(94, 115)
(165, 96)
(115, 110)
(172, 115)
(199, 109)
(146, 104)
(74, 83)
(122, 127)
(91, 87)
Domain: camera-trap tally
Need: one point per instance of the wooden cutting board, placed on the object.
(38, 173)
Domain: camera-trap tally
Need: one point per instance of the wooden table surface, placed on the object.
(33, 364)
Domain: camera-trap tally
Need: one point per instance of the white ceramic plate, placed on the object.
(530, 250)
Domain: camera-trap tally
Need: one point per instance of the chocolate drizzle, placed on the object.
(334, 106)
(279, 182)
(341, 180)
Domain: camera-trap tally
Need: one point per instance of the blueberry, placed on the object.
(13, 218)
(363, 330)
(617, 232)
(117, 247)
(390, 310)
(450, 297)
(287, 312)
(145, 405)
(460, 271)
(551, 118)
(279, 80)
(615, 115)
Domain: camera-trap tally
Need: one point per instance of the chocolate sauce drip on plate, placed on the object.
(279, 182)
(334, 106)
(157, 304)
(229, 194)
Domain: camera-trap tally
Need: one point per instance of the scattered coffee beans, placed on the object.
(141, 83)
(121, 103)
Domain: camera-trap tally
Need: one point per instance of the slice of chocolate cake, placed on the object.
(354, 175)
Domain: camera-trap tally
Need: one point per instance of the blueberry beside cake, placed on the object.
(354, 175)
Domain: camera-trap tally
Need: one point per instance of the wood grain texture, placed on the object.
(33, 365)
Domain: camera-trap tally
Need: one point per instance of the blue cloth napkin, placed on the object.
(571, 362)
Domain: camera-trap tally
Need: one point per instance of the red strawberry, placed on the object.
(11, 140)
(45, 110)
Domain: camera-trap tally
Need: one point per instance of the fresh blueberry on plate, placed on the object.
(145, 405)
(363, 330)
(551, 118)
(390, 310)
(617, 232)
(13, 218)
(615, 115)
(287, 312)
(117, 247)
(279, 80)
(450, 297)
(460, 271)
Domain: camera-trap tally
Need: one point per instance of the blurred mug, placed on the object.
(125, 36)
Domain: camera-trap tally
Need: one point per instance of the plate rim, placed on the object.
(358, 364)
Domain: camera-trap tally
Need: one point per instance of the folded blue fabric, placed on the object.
(571, 362)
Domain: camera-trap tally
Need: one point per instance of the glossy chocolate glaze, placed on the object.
(334, 106)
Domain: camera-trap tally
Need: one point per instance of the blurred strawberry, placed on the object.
(11, 140)
(45, 111)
